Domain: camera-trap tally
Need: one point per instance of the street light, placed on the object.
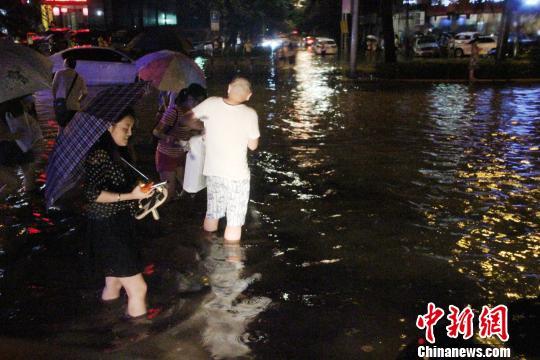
(531, 2)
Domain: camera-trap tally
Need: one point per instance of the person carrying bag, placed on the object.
(67, 98)
(62, 113)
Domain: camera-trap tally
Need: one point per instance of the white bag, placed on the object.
(194, 180)
(28, 127)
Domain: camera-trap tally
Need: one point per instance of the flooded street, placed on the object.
(369, 200)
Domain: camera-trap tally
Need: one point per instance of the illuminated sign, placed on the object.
(64, 2)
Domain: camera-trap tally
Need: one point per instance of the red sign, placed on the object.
(63, 2)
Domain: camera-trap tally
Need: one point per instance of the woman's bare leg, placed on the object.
(111, 291)
(136, 290)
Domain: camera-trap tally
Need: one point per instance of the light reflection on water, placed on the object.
(430, 189)
(495, 187)
(227, 316)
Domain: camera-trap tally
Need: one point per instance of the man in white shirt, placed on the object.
(62, 83)
(230, 129)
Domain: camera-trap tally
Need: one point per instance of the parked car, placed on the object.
(485, 45)
(325, 46)
(460, 39)
(98, 66)
(120, 38)
(526, 44)
(202, 47)
(426, 46)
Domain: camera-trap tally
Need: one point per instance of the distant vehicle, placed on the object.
(83, 37)
(426, 46)
(98, 66)
(325, 46)
(203, 47)
(58, 38)
(372, 42)
(460, 39)
(485, 45)
(120, 38)
(526, 44)
(273, 43)
(308, 41)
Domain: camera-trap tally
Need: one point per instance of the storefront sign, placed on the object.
(63, 2)
(346, 6)
(214, 20)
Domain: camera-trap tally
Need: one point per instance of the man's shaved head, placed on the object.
(240, 89)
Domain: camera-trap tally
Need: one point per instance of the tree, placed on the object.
(322, 17)
(388, 31)
(506, 21)
(249, 17)
(19, 18)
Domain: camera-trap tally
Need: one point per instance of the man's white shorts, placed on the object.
(228, 198)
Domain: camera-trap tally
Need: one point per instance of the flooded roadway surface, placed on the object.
(369, 201)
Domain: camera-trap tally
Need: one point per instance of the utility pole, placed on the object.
(354, 39)
(506, 21)
(344, 24)
(407, 43)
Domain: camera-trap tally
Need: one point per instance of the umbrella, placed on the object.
(170, 71)
(23, 71)
(65, 167)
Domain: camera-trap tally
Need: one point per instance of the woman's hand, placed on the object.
(138, 194)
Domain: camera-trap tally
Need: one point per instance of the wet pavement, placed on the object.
(369, 200)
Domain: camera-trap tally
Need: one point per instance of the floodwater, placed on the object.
(369, 200)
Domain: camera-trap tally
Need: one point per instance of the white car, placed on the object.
(98, 66)
(325, 46)
(460, 39)
(485, 45)
(426, 46)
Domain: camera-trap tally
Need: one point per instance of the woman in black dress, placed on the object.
(112, 193)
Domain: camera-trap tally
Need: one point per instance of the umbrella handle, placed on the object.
(155, 214)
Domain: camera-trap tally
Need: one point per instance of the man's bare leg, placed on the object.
(210, 225)
(233, 233)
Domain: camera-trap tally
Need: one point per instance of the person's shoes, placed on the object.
(150, 205)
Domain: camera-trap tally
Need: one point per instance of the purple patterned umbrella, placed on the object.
(65, 166)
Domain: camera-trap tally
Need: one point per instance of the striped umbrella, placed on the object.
(65, 166)
(23, 71)
(170, 71)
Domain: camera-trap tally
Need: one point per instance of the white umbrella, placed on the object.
(23, 71)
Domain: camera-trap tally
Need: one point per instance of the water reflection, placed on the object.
(312, 98)
(228, 312)
(493, 182)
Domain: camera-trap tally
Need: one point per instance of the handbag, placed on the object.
(62, 113)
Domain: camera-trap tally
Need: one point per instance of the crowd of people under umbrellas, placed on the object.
(91, 148)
